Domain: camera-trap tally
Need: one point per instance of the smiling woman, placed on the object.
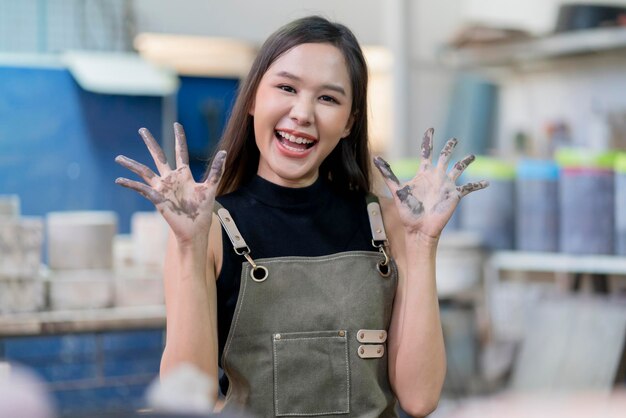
(315, 296)
(302, 109)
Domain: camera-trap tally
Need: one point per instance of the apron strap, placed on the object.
(376, 220)
(258, 273)
(379, 237)
(239, 244)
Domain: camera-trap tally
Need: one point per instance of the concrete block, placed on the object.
(9, 206)
(21, 242)
(123, 253)
(149, 233)
(81, 289)
(18, 296)
(81, 240)
(140, 290)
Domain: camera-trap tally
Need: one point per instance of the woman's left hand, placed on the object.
(426, 202)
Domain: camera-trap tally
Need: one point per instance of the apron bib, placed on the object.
(308, 336)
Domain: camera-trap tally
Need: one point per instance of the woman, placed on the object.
(312, 305)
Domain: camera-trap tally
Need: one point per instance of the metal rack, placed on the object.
(537, 49)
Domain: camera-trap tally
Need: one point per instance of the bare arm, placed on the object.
(415, 218)
(190, 263)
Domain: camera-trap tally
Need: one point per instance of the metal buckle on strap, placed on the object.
(258, 273)
(379, 237)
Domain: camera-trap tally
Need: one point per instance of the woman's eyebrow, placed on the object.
(333, 87)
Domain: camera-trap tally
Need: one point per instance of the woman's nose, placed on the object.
(302, 111)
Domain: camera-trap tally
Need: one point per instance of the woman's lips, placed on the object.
(295, 146)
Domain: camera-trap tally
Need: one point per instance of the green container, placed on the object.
(490, 213)
(490, 168)
(585, 158)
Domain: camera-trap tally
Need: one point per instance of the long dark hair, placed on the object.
(347, 167)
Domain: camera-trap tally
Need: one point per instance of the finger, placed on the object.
(460, 166)
(446, 152)
(141, 170)
(217, 168)
(182, 155)
(427, 148)
(141, 188)
(472, 187)
(155, 150)
(385, 169)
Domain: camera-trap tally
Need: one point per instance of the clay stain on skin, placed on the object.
(217, 167)
(185, 207)
(181, 143)
(154, 148)
(385, 169)
(472, 187)
(447, 150)
(134, 166)
(407, 198)
(462, 165)
(427, 143)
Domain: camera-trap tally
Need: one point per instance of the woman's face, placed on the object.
(302, 109)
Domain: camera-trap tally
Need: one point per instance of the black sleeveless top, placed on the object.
(280, 221)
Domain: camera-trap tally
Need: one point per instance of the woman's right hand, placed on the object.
(187, 206)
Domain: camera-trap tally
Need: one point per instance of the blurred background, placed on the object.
(531, 271)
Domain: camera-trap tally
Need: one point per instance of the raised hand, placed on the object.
(426, 202)
(187, 206)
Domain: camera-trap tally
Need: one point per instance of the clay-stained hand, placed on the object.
(426, 202)
(187, 206)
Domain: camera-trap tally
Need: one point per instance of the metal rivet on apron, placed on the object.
(362, 335)
(277, 337)
(379, 231)
(237, 237)
(382, 335)
(373, 213)
(261, 271)
(227, 219)
(379, 350)
(383, 269)
(342, 333)
(362, 350)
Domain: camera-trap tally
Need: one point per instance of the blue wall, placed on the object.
(58, 143)
(91, 373)
(204, 105)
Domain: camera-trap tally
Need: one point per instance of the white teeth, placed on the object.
(296, 139)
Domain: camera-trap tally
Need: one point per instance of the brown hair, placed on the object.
(347, 166)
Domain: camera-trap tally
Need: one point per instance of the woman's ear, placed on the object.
(346, 131)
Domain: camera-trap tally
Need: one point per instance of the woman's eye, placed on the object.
(329, 99)
(288, 89)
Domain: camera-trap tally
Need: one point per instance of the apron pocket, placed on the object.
(311, 373)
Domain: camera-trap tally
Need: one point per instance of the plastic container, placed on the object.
(81, 240)
(460, 260)
(620, 204)
(586, 202)
(537, 206)
(490, 212)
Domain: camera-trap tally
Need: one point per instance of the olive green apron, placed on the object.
(308, 335)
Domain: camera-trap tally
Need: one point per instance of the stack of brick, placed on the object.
(138, 260)
(80, 258)
(21, 286)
